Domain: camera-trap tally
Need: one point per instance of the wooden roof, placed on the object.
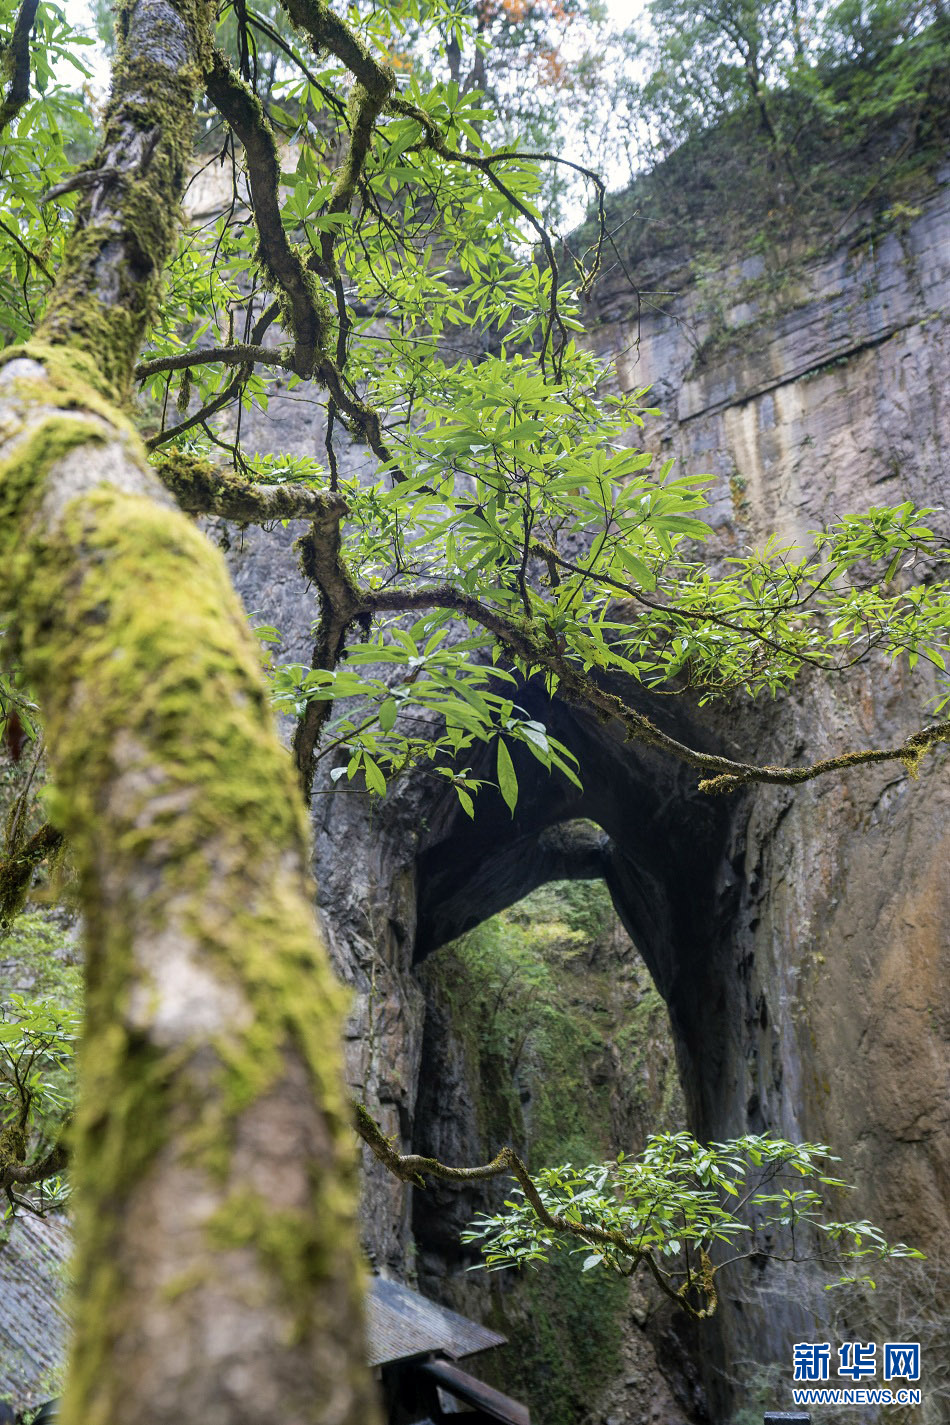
(33, 1322)
(402, 1324)
(34, 1325)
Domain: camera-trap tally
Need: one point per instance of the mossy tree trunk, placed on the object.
(217, 1266)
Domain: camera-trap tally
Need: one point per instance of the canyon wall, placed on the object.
(798, 937)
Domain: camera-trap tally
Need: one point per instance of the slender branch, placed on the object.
(552, 557)
(304, 312)
(435, 140)
(277, 39)
(263, 324)
(28, 252)
(414, 1168)
(15, 64)
(534, 647)
(211, 408)
(237, 355)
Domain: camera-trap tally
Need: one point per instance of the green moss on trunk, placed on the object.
(191, 845)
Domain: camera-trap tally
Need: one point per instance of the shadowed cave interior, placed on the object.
(642, 827)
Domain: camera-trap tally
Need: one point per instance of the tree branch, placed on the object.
(16, 870)
(322, 561)
(535, 647)
(202, 489)
(15, 64)
(263, 324)
(326, 31)
(15, 1173)
(238, 355)
(413, 1168)
(305, 305)
(28, 253)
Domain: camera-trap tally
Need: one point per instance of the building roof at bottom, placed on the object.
(33, 1322)
(402, 1324)
(34, 1325)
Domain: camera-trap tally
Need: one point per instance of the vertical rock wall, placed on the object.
(799, 938)
(821, 1005)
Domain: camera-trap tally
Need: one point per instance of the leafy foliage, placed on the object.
(706, 63)
(509, 528)
(38, 1037)
(688, 1210)
(508, 492)
(445, 704)
(51, 133)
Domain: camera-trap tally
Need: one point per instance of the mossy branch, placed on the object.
(414, 1168)
(325, 30)
(17, 868)
(15, 1172)
(203, 489)
(107, 290)
(209, 1076)
(238, 355)
(322, 561)
(304, 303)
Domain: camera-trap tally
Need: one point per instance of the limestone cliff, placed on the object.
(799, 938)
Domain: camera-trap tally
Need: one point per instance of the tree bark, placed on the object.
(217, 1261)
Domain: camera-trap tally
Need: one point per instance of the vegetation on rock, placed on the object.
(510, 533)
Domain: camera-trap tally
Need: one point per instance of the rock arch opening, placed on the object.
(544, 1029)
(640, 826)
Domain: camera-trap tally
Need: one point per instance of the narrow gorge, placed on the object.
(636, 955)
(797, 937)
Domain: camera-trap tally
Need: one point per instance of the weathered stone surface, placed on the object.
(819, 1008)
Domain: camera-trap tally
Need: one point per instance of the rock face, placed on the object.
(800, 938)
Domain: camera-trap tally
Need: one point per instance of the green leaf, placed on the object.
(375, 780)
(637, 568)
(507, 780)
(387, 715)
(468, 806)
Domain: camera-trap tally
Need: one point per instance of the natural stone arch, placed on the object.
(640, 823)
(808, 928)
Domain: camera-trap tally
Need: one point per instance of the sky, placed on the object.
(621, 13)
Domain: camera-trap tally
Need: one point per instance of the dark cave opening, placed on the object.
(661, 847)
(544, 1029)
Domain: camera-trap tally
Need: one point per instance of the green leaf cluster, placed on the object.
(423, 702)
(691, 1208)
(52, 133)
